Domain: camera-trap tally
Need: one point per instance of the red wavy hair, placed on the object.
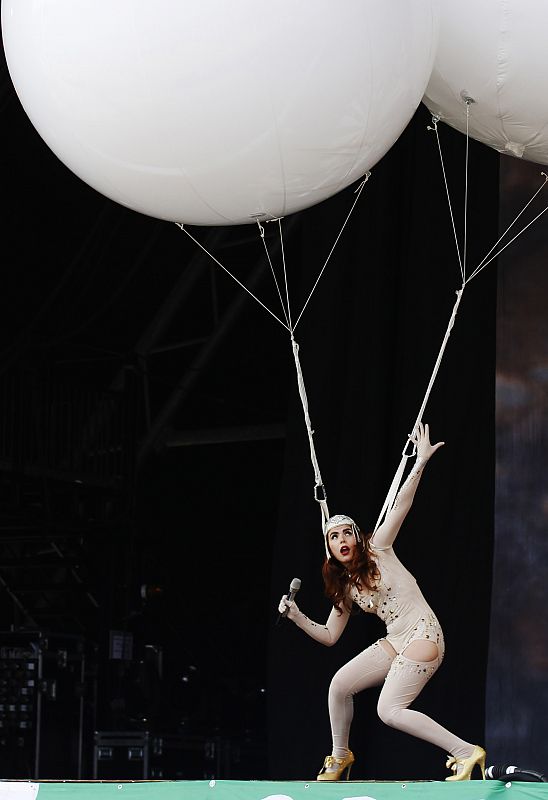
(362, 572)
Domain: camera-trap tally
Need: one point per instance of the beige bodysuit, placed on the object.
(399, 602)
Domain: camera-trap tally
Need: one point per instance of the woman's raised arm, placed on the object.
(384, 536)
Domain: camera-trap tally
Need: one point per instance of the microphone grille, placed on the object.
(295, 584)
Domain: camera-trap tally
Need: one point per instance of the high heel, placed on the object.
(467, 765)
(333, 767)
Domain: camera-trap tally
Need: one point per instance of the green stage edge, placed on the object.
(271, 790)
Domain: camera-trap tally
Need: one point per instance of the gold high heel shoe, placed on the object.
(336, 767)
(467, 764)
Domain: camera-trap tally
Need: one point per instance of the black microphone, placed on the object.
(504, 772)
(294, 587)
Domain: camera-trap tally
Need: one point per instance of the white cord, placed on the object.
(318, 483)
(261, 233)
(285, 276)
(234, 278)
(465, 244)
(484, 262)
(358, 194)
(434, 128)
(319, 489)
(396, 482)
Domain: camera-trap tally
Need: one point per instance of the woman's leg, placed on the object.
(367, 669)
(409, 673)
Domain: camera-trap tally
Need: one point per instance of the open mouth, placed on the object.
(345, 551)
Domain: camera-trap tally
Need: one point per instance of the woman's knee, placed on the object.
(337, 689)
(388, 713)
(339, 686)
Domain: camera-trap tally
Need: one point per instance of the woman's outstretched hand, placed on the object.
(421, 439)
(289, 606)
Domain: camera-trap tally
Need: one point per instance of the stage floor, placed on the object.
(270, 790)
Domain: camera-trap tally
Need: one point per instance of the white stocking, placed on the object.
(367, 669)
(404, 682)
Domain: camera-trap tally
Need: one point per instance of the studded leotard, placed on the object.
(399, 602)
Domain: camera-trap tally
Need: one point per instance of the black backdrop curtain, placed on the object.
(369, 340)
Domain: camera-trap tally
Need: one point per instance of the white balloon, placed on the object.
(494, 52)
(219, 111)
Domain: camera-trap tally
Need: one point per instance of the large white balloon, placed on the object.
(495, 52)
(216, 111)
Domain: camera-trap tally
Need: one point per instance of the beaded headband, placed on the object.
(334, 522)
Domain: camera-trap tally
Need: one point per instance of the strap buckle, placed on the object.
(320, 495)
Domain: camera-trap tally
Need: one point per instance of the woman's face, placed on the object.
(342, 543)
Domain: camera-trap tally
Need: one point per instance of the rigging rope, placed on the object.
(398, 477)
(484, 263)
(234, 278)
(358, 192)
(261, 234)
(285, 276)
(467, 101)
(400, 471)
(320, 494)
(434, 128)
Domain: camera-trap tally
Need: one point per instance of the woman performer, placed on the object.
(363, 569)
